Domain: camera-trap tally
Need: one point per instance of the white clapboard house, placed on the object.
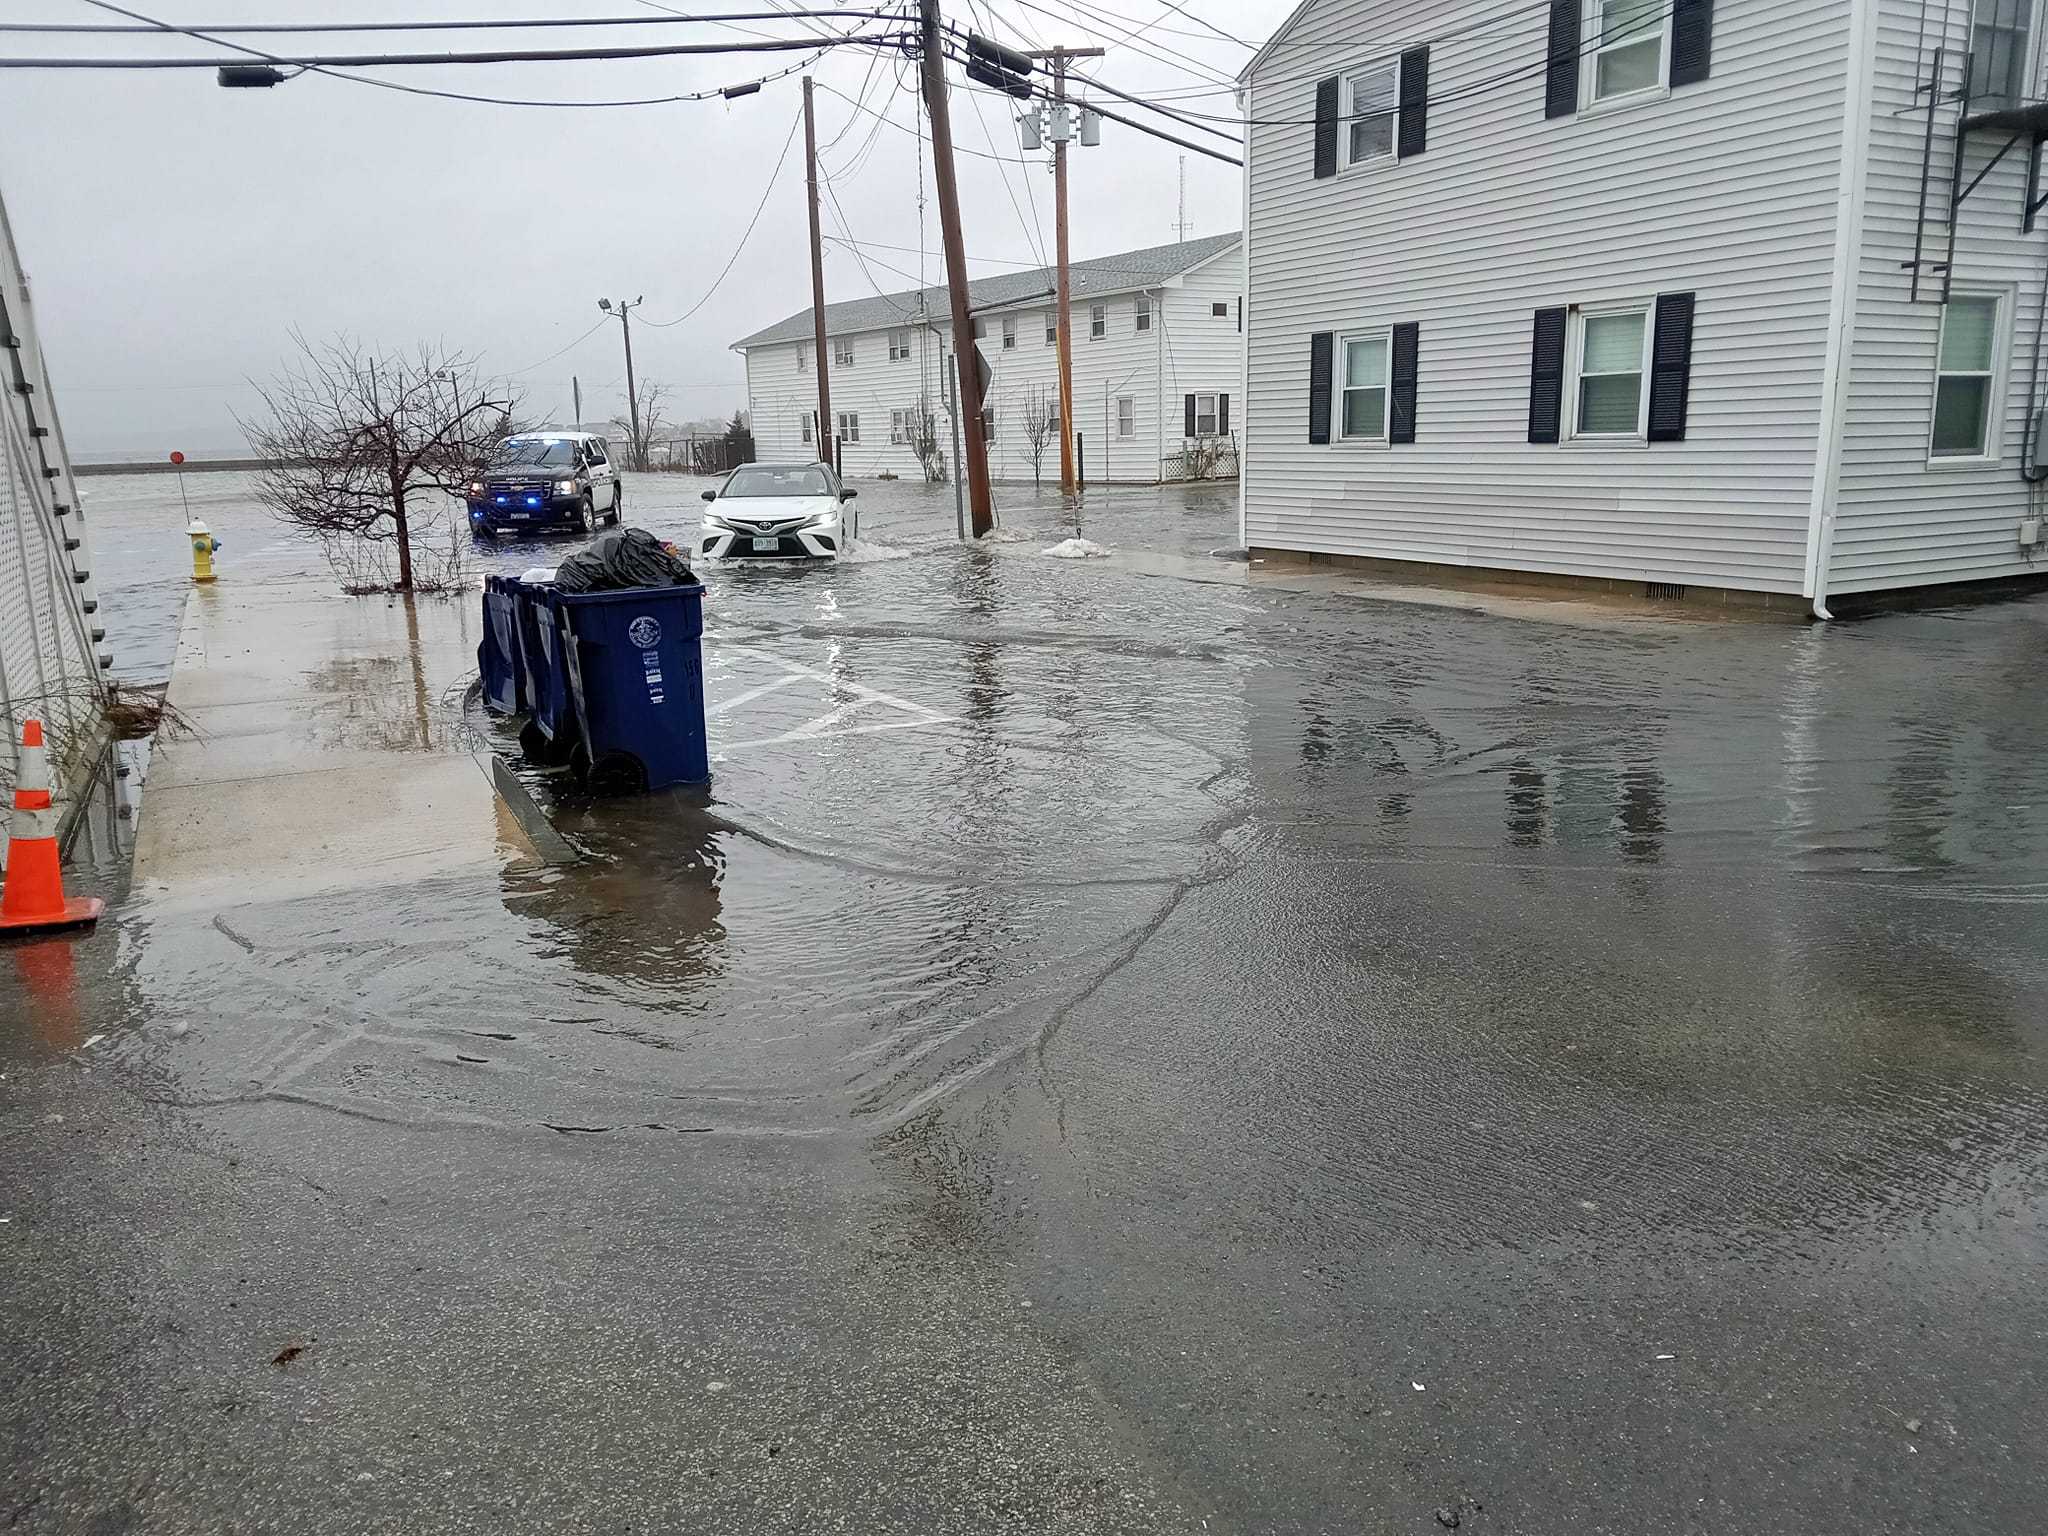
(1158, 365)
(1711, 296)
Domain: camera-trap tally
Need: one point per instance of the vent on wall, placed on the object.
(1663, 591)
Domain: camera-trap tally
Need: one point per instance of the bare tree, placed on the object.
(1040, 418)
(363, 450)
(924, 441)
(640, 446)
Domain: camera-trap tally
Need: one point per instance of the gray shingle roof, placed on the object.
(1100, 274)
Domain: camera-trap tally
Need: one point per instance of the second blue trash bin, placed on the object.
(636, 674)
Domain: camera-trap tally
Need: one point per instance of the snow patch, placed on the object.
(1003, 536)
(1075, 549)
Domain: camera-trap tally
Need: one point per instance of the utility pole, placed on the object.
(1062, 130)
(827, 443)
(968, 375)
(632, 390)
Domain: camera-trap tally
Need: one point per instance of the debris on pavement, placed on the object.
(1075, 549)
(289, 1353)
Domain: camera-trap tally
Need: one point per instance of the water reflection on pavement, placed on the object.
(1574, 1074)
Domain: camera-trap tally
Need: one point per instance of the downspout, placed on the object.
(1848, 278)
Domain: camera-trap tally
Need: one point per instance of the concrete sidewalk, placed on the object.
(332, 751)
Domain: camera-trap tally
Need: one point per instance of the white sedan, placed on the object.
(778, 512)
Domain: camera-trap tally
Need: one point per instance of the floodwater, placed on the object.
(1116, 1052)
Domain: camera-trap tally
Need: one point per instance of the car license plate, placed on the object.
(521, 516)
(766, 546)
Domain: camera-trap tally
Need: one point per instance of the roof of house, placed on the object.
(1101, 274)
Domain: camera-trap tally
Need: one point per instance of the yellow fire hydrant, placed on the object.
(203, 546)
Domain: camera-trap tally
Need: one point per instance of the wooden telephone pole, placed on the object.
(1062, 130)
(824, 433)
(966, 357)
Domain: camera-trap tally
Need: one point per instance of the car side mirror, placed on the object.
(848, 495)
(710, 495)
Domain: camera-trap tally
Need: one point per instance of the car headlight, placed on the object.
(476, 487)
(565, 487)
(825, 519)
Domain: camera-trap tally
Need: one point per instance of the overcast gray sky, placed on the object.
(177, 232)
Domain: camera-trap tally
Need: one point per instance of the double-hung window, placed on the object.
(1364, 415)
(849, 426)
(2000, 46)
(1052, 327)
(803, 357)
(1205, 415)
(1966, 377)
(1611, 360)
(1142, 312)
(899, 428)
(1372, 101)
(899, 346)
(1098, 321)
(1126, 416)
(804, 423)
(842, 352)
(1010, 335)
(1626, 40)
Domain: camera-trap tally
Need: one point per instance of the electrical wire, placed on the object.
(494, 24)
(516, 372)
(325, 62)
(760, 207)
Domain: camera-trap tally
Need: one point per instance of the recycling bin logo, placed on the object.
(645, 632)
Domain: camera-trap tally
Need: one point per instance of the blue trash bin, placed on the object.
(498, 657)
(635, 669)
(551, 735)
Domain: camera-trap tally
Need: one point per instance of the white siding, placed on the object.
(1725, 189)
(1123, 361)
(1900, 521)
(1204, 350)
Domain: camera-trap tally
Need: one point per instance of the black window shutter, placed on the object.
(1222, 415)
(1692, 40)
(1322, 348)
(1401, 424)
(1561, 76)
(1190, 429)
(1546, 376)
(1414, 138)
(1670, 367)
(1326, 127)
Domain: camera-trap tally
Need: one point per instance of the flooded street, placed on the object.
(1125, 1045)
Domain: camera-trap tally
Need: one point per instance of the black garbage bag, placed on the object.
(624, 557)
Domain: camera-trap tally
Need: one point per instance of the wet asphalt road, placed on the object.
(1216, 1057)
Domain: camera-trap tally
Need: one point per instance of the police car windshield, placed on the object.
(547, 452)
(768, 480)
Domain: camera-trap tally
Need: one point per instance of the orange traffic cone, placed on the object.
(32, 895)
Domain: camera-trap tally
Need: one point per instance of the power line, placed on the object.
(495, 24)
(515, 373)
(724, 272)
(491, 56)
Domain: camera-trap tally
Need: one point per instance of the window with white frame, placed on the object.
(1372, 99)
(803, 357)
(1220, 310)
(1010, 335)
(842, 352)
(1126, 415)
(1142, 312)
(849, 426)
(2000, 46)
(1052, 327)
(1098, 321)
(899, 428)
(1610, 359)
(1627, 39)
(1965, 377)
(1364, 408)
(899, 346)
(805, 422)
(1205, 415)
